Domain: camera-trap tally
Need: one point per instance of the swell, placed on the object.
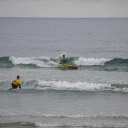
(100, 64)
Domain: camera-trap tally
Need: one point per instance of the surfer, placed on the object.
(16, 83)
(63, 63)
(63, 60)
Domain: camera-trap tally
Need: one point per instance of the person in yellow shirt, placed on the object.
(16, 83)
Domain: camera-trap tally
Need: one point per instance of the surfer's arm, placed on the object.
(19, 86)
(64, 61)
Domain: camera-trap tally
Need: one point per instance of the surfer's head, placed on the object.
(18, 77)
(63, 56)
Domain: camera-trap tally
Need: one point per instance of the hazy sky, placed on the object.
(64, 8)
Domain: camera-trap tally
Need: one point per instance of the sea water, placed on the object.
(93, 96)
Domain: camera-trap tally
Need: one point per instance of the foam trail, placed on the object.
(65, 85)
(90, 61)
(92, 125)
(38, 61)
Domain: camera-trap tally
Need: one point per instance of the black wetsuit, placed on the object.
(15, 86)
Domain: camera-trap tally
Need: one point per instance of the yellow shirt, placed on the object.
(16, 82)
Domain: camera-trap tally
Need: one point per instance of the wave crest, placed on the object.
(100, 64)
(90, 61)
(65, 85)
(38, 61)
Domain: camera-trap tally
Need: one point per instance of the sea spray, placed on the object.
(91, 61)
(38, 61)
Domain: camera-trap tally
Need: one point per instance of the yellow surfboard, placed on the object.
(68, 66)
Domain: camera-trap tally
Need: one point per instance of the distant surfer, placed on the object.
(63, 63)
(63, 60)
(16, 83)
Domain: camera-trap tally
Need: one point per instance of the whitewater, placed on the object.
(93, 96)
(83, 63)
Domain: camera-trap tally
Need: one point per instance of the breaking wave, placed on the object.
(42, 85)
(106, 64)
(90, 61)
(77, 86)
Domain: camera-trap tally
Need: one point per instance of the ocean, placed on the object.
(93, 96)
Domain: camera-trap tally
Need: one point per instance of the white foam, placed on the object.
(65, 85)
(125, 90)
(90, 61)
(38, 61)
(87, 124)
(41, 113)
(48, 124)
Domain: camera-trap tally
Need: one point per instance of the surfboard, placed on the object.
(68, 66)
